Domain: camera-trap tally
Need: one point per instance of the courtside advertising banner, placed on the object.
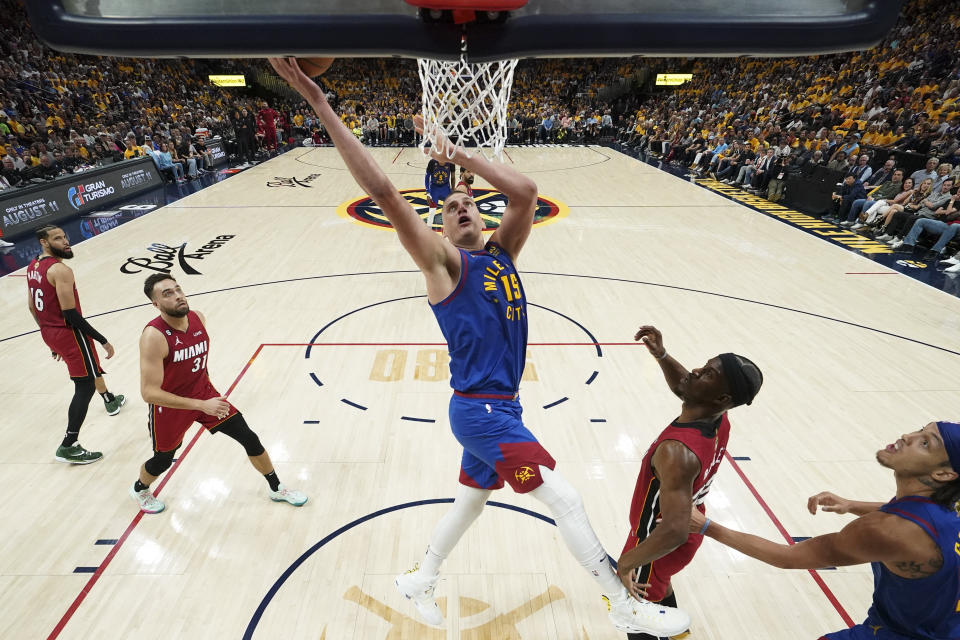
(25, 209)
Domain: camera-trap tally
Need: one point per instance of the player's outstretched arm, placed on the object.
(424, 246)
(876, 537)
(521, 192)
(673, 371)
(835, 504)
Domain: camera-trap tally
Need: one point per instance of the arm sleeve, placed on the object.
(78, 322)
(427, 177)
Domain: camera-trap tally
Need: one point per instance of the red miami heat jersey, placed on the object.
(43, 295)
(708, 441)
(185, 367)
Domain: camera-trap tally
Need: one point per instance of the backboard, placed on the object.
(541, 28)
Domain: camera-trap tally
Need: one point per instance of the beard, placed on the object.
(63, 254)
(178, 312)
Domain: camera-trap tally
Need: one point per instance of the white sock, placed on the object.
(567, 508)
(466, 507)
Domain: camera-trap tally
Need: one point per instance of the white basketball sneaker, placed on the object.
(148, 502)
(642, 616)
(283, 494)
(415, 586)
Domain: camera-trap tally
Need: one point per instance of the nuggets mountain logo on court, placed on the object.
(490, 203)
(163, 257)
(293, 182)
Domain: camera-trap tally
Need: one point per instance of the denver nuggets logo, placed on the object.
(486, 624)
(523, 474)
(490, 203)
(913, 264)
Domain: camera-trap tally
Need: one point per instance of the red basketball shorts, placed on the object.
(76, 349)
(659, 572)
(168, 426)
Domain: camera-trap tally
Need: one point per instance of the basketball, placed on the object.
(314, 67)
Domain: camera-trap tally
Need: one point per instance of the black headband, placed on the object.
(740, 387)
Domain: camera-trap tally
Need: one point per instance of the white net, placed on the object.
(467, 103)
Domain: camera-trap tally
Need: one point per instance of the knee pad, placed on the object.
(159, 463)
(242, 433)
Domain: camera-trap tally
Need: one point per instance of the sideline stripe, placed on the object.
(545, 273)
(786, 536)
(440, 344)
(756, 302)
(136, 519)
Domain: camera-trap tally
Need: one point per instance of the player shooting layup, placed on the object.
(475, 293)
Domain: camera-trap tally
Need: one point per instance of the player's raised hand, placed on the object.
(651, 337)
(289, 69)
(442, 150)
(218, 407)
(828, 502)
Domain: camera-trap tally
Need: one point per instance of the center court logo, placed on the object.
(163, 257)
(490, 203)
(504, 625)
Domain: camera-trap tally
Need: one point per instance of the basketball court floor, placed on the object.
(287, 254)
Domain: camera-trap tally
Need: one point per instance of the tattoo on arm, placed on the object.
(912, 569)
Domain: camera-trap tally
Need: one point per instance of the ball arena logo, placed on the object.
(162, 257)
(85, 193)
(490, 203)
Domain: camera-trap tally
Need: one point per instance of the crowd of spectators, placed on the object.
(754, 123)
(750, 122)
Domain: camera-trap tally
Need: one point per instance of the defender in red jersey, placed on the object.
(679, 467)
(55, 305)
(174, 382)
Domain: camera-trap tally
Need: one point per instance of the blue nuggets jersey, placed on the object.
(925, 607)
(484, 322)
(438, 175)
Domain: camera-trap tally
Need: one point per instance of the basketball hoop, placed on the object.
(466, 102)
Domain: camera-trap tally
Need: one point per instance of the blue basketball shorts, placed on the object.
(439, 194)
(496, 445)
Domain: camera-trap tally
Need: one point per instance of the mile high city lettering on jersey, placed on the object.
(163, 257)
(494, 276)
